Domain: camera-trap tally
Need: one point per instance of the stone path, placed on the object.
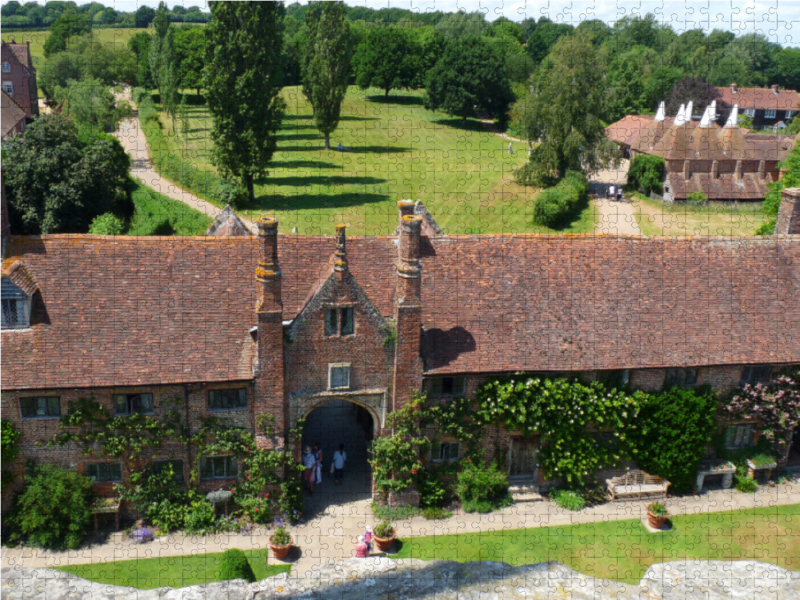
(132, 138)
(331, 533)
(616, 218)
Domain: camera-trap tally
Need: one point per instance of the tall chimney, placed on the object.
(734, 88)
(775, 88)
(788, 222)
(406, 207)
(408, 312)
(340, 262)
(269, 383)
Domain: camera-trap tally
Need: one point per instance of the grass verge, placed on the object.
(156, 214)
(713, 218)
(623, 550)
(170, 571)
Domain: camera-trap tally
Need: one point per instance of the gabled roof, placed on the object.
(760, 98)
(127, 310)
(227, 223)
(23, 54)
(15, 271)
(12, 114)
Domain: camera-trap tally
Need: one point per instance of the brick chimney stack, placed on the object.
(406, 207)
(340, 262)
(775, 88)
(734, 88)
(269, 311)
(408, 310)
(788, 222)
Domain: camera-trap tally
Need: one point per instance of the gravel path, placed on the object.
(616, 217)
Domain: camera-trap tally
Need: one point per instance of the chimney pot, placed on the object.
(406, 207)
(775, 88)
(340, 260)
(734, 88)
(788, 222)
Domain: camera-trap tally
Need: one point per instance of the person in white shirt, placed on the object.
(309, 462)
(339, 458)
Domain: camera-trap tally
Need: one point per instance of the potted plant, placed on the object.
(281, 543)
(384, 536)
(656, 515)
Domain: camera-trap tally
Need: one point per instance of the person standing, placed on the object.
(310, 464)
(619, 193)
(612, 192)
(318, 459)
(362, 550)
(339, 459)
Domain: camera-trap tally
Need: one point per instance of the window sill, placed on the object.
(227, 409)
(234, 477)
(41, 418)
(17, 329)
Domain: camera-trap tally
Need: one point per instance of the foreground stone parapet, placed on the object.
(382, 577)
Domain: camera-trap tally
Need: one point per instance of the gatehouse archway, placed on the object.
(340, 421)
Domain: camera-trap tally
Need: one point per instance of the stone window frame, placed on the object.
(438, 382)
(338, 311)
(228, 408)
(442, 444)
(47, 407)
(230, 464)
(179, 477)
(110, 479)
(6, 67)
(341, 365)
(749, 374)
(679, 377)
(130, 411)
(770, 113)
(732, 431)
(8, 88)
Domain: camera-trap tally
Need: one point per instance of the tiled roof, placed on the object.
(749, 186)
(629, 129)
(760, 98)
(23, 54)
(125, 311)
(12, 114)
(227, 223)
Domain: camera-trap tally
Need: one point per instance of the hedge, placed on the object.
(555, 205)
(234, 565)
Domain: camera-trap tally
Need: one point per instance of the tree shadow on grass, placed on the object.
(316, 201)
(302, 164)
(401, 100)
(351, 150)
(356, 118)
(193, 99)
(297, 117)
(302, 181)
(298, 136)
(457, 123)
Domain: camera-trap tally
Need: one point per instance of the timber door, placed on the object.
(522, 458)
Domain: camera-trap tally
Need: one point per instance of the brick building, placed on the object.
(19, 76)
(725, 163)
(766, 106)
(138, 321)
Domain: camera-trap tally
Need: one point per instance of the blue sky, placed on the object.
(779, 20)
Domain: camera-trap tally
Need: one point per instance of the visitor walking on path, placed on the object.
(310, 463)
(339, 459)
(362, 550)
(318, 459)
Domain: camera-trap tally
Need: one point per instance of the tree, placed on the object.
(700, 92)
(461, 25)
(144, 16)
(307, 37)
(243, 86)
(544, 38)
(190, 52)
(91, 104)
(387, 59)
(69, 24)
(505, 27)
(785, 70)
(58, 184)
(163, 62)
(139, 44)
(469, 74)
(562, 111)
(329, 69)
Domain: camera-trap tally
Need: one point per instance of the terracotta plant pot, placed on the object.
(655, 521)
(384, 544)
(281, 552)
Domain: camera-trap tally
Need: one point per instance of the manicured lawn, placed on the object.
(398, 150)
(622, 550)
(156, 214)
(171, 571)
(714, 218)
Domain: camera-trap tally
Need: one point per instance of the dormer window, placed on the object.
(16, 306)
(340, 321)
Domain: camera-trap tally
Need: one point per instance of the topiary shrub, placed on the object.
(234, 565)
(555, 205)
(107, 224)
(53, 509)
(646, 173)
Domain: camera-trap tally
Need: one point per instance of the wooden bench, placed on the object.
(637, 485)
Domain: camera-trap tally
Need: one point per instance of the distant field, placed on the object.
(398, 149)
(107, 35)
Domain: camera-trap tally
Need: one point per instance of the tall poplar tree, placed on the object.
(309, 36)
(163, 62)
(329, 68)
(243, 83)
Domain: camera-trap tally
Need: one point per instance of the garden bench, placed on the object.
(637, 485)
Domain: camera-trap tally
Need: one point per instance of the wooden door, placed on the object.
(522, 463)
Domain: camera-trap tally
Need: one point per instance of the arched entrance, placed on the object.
(337, 422)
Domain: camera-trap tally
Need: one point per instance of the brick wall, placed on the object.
(24, 82)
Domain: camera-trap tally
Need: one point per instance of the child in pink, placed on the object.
(362, 550)
(368, 538)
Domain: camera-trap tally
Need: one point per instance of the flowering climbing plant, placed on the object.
(776, 405)
(570, 417)
(396, 455)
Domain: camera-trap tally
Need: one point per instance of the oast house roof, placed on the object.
(114, 311)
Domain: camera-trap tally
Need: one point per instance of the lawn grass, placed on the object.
(170, 571)
(713, 218)
(156, 214)
(399, 149)
(623, 550)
